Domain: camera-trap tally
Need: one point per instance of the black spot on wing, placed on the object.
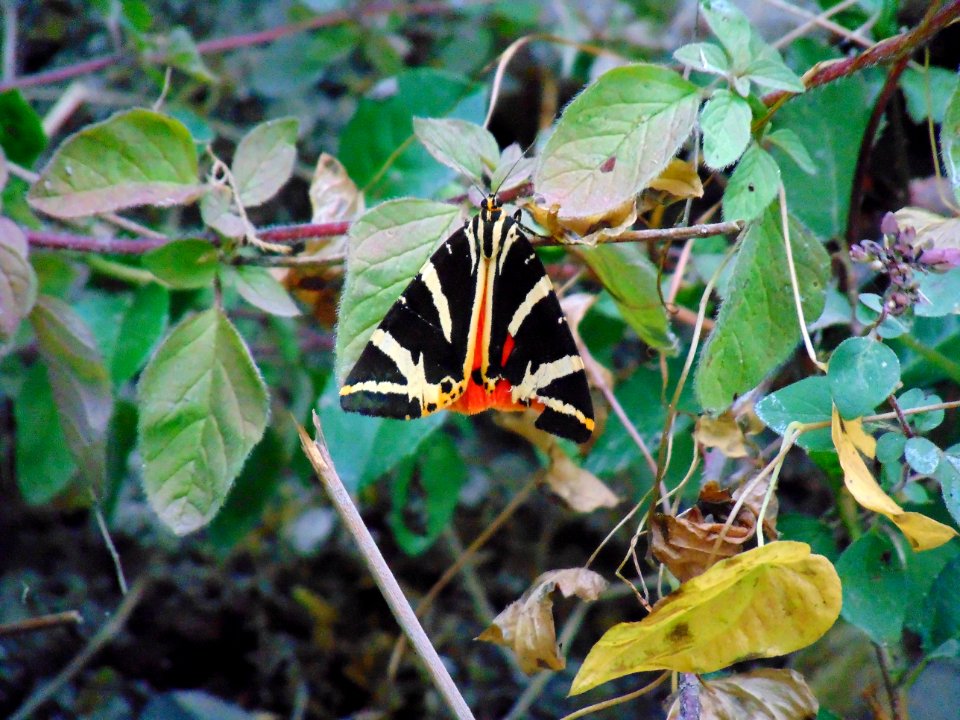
(563, 425)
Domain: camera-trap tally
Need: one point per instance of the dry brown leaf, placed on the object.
(759, 695)
(526, 625)
(589, 227)
(753, 502)
(723, 433)
(578, 488)
(685, 544)
(333, 195)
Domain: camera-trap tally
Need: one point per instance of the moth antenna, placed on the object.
(516, 162)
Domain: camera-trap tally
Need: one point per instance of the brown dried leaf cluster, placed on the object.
(526, 625)
(759, 695)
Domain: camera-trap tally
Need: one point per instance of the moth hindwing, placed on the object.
(479, 327)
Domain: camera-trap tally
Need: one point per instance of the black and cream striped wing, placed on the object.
(542, 362)
(414, 363)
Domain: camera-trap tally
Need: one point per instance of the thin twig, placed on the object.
(319, 456)
(9, 40)
(103, 637)
(451, 572)
(803, 28)
(42, 622)
(893, 693)
(689, 696)
(111, 548)
(822, 21)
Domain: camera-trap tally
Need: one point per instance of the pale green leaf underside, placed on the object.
(703, 56)
(725, 122)
(80, 383)
(950, 141)
(264, 160)
(203, 408)
(388, 246)
(137, 157)
(614, 138)
(467, 148)
(261, 289)
(757, 326)
(631, 279)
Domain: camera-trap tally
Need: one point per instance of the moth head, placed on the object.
(490, 208)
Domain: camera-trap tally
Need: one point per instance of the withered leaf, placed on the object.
(580, 489)
(686, 543)
(765, 694)
(526, 625)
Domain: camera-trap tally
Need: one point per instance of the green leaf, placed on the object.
(940, 293)
(365, 448)
(950, 141)
(290, 70)
(916, 398)
(869, 310)
(882, 584)
(822, 200)
(203, 406)
(44, 463)
(264, 160)
(753, 185)
(184, 264)
(218, 210)
(377, 145)
(21, 131)
(467, 148)
(704, 57)
(725, 122)
(18, 281)
(757, 328)
(387, 247)
(890, 447)
(80, 383)
(938, 618)
(178, 49)
(922, 455)
(253, 489)
(142, 326)
(261, 289)
(767, 69)
(136, 157)
(928, 91)
(814, 531)
(731, 28)
(788, 141)
(438, 472)
(631, 279)
(806, 401)
(863, 373)
(948, 475)
(614, 138)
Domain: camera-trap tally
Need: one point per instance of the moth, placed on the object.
(478, 328)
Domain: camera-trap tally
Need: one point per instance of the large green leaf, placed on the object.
(806, 401)
(136, 157)
(822, 200)
(753, 185)
(378, 147)
(80, 382)
(44, 464)
(757, 328)
(616, 137)
(388, 246)
(631, 279)
(950, 141)
(21, 130)
(203, 406)
(863, 372)
(18, 281)
(142, 326)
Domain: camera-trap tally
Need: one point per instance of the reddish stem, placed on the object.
(233, 42)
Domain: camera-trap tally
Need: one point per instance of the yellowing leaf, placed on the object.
(765, 694)
(924, 533)
(526, 625)
(333, 195)
(723, 433)
(762, 603)
(680, 179)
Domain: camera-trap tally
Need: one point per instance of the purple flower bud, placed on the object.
(889, 225)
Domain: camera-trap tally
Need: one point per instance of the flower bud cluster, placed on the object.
(902, 260)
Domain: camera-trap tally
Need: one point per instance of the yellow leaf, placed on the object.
(680, 179)
(723, 433)
(765, 602)
(765, 694)
(924, 533)
(526, 625)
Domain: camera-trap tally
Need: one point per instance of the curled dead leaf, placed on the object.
(687, 544)
(589, 228)
(679, 179)
(580, 489)
(765, 694)
(333, 195)
(526, 625)
(723, 433)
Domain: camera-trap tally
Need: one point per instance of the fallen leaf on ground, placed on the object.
(762, 603)
(526, 625)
